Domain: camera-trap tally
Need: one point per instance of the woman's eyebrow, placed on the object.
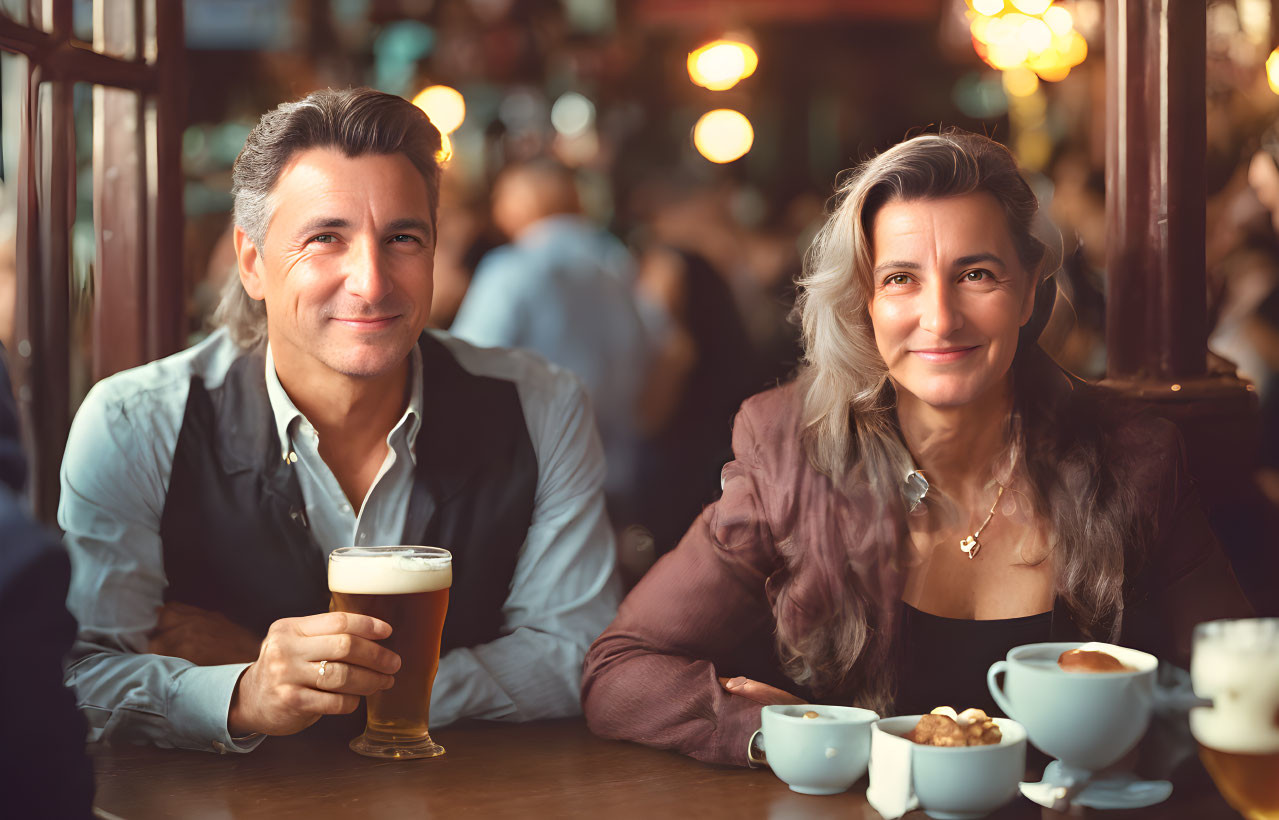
(883, 266)
(973, 259)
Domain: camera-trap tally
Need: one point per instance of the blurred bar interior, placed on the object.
(707, 135)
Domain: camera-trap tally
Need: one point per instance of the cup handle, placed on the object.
(996, 691)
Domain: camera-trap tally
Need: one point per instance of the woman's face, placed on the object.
(948, 298)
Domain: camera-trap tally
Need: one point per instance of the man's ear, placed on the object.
(249, 262)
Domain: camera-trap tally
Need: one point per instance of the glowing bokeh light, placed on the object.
(988, 7)
(1272, 70)
(445, 106)
(1007, 54)
(572, 114)
(1059, 20)
(1032, 7)
(1020, 82)
(446, 149)
(1076, 50)
(1035, 34)
(723, 135)
(722, 64)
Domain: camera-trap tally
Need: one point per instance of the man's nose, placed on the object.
(366, 272)
(940, 314)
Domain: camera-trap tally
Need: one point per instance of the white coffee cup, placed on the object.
(822, 755)
(1087, 720)
(948, 783)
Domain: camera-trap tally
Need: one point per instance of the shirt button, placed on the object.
(364, 536)
(346, 508)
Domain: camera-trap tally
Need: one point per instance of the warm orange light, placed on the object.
(1032, 7)
(445, 106)
(446, 149)
(1077, 49)
(988, 7)
(1020, 82)
(1272, 70)
(722, 64)
(1059, 20)
(723, 135)
(1035, 34)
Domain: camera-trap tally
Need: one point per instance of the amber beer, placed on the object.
(408, 587)
(1236, 665)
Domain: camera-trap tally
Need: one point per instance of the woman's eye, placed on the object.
(897, 279)
(976, 275)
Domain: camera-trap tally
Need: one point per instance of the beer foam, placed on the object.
(1242, 681)
(389, 572)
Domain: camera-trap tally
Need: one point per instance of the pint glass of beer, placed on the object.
(1235, 665)
(408, 587)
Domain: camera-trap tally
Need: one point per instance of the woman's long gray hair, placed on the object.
(828, 618)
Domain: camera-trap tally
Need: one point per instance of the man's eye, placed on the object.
(324, 238)
(405, 237)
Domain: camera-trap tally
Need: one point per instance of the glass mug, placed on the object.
(408, 587)
(1235, 664)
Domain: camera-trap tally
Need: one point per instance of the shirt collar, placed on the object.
(286, 412)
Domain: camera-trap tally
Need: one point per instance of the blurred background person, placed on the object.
(47, 773)
(563, 288)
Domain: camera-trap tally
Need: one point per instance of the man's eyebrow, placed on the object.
(410, 224)
(973, 259)
(883, 266)
(320, 223)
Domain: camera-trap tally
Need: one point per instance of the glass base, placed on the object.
(396, 749)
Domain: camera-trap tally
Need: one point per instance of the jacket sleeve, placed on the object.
(1185, 578)
(652, 676)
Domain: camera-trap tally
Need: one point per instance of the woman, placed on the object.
(1047, 513)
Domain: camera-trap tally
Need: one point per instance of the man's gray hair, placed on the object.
(355, 121)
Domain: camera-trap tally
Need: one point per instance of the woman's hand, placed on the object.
(759, 692)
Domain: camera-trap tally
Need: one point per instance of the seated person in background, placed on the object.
(46, 773)
(932, 491)
(202, 494)
(564, 289)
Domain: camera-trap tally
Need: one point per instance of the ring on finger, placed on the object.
(324, 669)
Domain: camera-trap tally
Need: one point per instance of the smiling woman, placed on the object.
(931, 491)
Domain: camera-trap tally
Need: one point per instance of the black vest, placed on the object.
(235, 536)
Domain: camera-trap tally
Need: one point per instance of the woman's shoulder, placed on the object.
(768, 427)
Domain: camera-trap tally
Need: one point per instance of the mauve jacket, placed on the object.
(704, 610)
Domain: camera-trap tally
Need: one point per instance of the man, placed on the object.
(564, 289)
(202, 493)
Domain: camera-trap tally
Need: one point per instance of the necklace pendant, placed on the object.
(970, 545)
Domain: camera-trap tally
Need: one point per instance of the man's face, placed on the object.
(346, 265)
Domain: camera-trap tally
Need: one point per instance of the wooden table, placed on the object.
(554, 769)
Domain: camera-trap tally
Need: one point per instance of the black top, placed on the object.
(944, 660)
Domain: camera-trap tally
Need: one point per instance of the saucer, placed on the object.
(1060, 789)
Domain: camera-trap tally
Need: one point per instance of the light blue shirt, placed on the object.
(115, 477)
(565, 290)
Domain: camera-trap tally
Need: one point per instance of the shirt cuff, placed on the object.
(201, 703)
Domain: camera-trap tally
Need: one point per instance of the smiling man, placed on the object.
(203, 493)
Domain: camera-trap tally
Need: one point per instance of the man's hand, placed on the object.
(283, 692)
(205, 638)
(759, 692)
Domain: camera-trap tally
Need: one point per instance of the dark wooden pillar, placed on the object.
(1156, 52)
(1156, 316)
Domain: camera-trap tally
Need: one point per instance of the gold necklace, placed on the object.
(971, 545)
